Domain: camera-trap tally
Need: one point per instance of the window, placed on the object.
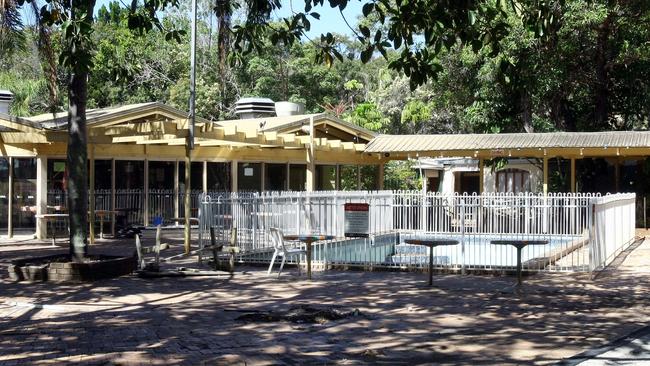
(161, 175)
(129, 174)
(196, 176)
(513, 181)
(325, 177)
(297, 177)
(249, 177)
(349, 178)
(24, 194)
(276, 177)
(4, 192)
(219, 177)
(369, 177)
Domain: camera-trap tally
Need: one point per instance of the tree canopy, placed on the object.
(409, 66)
(488, 67)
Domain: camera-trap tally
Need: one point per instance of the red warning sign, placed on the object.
(357, 219)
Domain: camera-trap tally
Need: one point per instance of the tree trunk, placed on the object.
(77, 167)
(561, 114)
(601, 89)
(77, 161)
(526, 111)
(223, 10)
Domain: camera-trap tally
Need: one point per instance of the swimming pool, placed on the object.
(475, 250)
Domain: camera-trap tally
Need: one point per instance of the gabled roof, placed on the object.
(116, 114)
(159, 124)
(293, 124)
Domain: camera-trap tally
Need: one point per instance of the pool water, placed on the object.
(475, 250)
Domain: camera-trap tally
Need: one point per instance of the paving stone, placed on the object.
(183, 321)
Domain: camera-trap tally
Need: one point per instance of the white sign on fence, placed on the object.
(357, 220)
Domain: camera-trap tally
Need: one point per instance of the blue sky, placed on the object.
(330, 18)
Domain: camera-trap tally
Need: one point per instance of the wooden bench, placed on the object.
(141, 250)
(218, 248)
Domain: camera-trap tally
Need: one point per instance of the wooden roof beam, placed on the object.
(168, 140)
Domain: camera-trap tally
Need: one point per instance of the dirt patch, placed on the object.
(299, 314)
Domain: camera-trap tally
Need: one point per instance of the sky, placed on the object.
(330, 18)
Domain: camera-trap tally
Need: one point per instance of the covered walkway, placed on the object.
(616, 147)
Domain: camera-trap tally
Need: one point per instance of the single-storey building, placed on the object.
(137, 155)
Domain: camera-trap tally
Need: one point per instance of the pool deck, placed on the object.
(461, 320)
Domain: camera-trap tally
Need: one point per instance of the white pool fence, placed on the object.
(584, 231)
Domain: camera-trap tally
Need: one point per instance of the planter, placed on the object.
(61, 268)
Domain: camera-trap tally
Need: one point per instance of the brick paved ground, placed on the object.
(462, 320)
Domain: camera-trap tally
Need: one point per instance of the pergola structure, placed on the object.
(573, 146)
(155, 132)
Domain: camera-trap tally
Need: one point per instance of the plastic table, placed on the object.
(308, 239)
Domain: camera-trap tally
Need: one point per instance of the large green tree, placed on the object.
(75, 19)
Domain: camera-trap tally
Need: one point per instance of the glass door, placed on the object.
(24, 192)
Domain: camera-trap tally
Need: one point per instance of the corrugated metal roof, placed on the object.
(436, 143)
(18, 120)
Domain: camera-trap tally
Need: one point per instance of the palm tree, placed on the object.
(12, 38)
(47, 58)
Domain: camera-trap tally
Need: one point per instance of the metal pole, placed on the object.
(187, 210)
(91, 204)
(10, 201)
(190, 142)
(190, 135)
(113, 198)
(145, 214)
(519, 266)
(462, 235)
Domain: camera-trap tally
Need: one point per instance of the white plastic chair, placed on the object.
(277, 238)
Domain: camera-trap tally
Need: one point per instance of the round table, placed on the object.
(308, 239)
(431, 243)
(519, 244)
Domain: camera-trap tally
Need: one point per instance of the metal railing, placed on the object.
(130, 204)
(563, 220)
(292, 212)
